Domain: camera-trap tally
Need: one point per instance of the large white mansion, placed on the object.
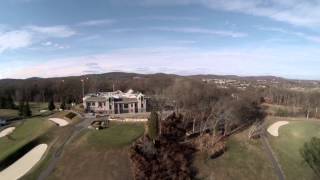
(116, 102)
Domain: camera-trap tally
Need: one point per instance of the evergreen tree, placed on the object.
(311, 154)
(6, 102)
(21, 107)
(9, 102)
(153, 125)
(2, 102)
(51, 105)
(26, 110)
(63, 105)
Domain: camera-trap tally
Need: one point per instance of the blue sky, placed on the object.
(46, 38)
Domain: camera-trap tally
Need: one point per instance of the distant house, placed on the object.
(116, 102)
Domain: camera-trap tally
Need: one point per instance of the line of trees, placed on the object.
(24, 109)
(7, 102)
(166, 157)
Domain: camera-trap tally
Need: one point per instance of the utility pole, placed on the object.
(82, 82)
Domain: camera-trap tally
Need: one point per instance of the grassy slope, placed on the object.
(24, 133)
(245, 159)
(286, 146)
(55, 137)
(100, 154)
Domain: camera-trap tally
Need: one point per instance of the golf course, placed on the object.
(104, 153)
(247, 159)
(288, 144)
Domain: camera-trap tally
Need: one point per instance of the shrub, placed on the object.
(26, 110)
(282, 112)
(153, 125)
(311, 154)
(51, 105)
(63, 105)
(167, 158)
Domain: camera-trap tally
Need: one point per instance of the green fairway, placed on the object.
(23, 134)
(116, 136)
(244, 160)
(286, 146)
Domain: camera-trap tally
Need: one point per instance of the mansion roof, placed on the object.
(128, 96)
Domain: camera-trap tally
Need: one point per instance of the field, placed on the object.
(104, 154)
(245, 159)
(286, 146)
(100, 154)
(117, 136)
(25, 132)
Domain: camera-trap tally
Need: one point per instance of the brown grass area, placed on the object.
(245, 159)
(81, 163)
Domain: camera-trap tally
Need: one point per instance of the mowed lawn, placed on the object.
(287, 145)
(24, 133)
(244, 160)
(117, 136)
(100, 154)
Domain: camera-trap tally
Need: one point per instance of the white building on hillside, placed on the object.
(116, 102)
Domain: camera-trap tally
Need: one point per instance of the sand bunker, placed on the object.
(6, 131)
(24, 164)
(274, 128)
(59, 122)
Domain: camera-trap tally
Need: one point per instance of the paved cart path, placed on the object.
(57, 154)
(275, 162)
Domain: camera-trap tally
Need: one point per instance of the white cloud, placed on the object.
(29, 35)
(183, 60)
(194, 30)
(52, 45)
(53, 31)
(296, 12)
(14, 39)
(308, 37)
(48, 43)
(202, 31)
(97, 22)
(169, 18)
